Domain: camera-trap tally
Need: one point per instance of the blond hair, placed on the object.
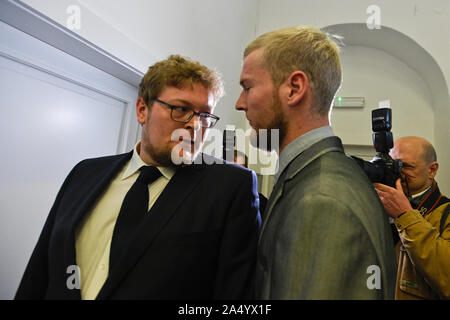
(307, 49)
(178, 71)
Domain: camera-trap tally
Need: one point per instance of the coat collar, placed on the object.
(92, 189)
(98, 184)
(296, 165)
(300, 144)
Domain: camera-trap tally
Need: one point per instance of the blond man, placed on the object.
(139, 226)
(325, 234)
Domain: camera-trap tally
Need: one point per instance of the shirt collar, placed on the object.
(414, 196)
(303, 142)
(136, 163)
(417, 198)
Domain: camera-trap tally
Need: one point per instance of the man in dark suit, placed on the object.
(241, 159)
(153, 223)
(325, 234)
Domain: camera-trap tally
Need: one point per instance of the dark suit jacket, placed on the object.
(325, 232)
(197, 242)
(262, 205)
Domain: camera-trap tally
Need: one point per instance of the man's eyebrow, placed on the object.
(182, 102)
(185, 103)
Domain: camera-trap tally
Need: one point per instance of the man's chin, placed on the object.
(184, 153)
(263, 141)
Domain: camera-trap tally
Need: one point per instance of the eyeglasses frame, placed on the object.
(194, 113)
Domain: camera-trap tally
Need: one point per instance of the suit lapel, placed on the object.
(301, 161)
(96, 183)
(172, 198)
(276, 193)
(100, 181)
(100, 178)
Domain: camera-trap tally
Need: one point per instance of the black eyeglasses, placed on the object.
(184, 114)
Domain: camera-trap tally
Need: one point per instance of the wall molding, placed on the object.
(47, 56)
(23, 17)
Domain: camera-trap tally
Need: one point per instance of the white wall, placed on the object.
(425, 21)
(376, 76)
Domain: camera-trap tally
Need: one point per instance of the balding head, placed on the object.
(419, 163)
(424, 148)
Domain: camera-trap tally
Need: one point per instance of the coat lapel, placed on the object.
(301, 161)
(171, 199)
(95, 184)
(99, 180)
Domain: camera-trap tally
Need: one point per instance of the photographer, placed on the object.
(420, 212)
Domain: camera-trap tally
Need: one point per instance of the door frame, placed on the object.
(30, 21)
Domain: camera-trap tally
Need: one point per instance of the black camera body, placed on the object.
(382, 168)
(228, 143)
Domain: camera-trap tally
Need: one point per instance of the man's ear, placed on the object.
(297, 87)
(141, 110)
(432, 169)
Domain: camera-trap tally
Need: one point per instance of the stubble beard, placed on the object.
(278, 122)
(163, 154)
(161, 157)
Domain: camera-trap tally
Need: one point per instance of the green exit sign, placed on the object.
(348, 102)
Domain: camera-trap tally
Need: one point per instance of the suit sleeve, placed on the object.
(237, 255)
(34, 283)
(324, 252)
(428, 251)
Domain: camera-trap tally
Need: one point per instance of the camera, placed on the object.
(228, 143)
(382, 168)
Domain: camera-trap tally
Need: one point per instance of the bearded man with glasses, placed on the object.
(139, 226)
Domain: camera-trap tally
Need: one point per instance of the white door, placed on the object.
(55, 110)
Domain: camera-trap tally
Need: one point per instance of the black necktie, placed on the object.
(133, 210)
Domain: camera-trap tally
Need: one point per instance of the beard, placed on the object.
(186, 150)
(267, 137)
(179, 151)
(162, 156)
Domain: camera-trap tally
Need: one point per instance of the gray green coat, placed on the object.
(324, 231)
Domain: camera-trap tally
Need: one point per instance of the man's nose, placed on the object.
(240, 103)
(194, 123)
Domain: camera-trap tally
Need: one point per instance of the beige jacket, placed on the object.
(423, 256)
